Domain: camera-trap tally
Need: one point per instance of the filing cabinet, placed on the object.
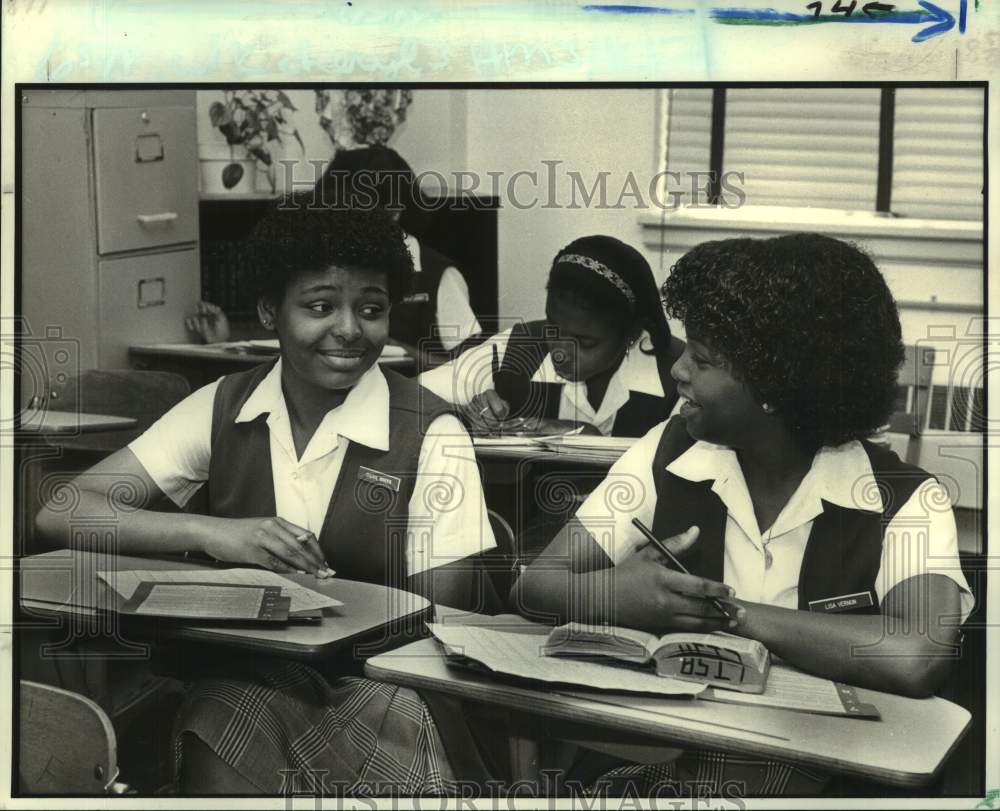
(109, 220)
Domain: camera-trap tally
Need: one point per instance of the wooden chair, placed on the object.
(66, 744)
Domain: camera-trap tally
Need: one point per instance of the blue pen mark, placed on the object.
(940, 21)
(623, 9)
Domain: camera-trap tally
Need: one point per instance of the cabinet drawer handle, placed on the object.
(151, 219)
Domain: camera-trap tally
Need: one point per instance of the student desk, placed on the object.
(203, 363)
(63, 583)
(37, 439)
(43, 422)
(906, 748)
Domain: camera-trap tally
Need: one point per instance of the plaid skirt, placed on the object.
(288, 730)
(701, 773)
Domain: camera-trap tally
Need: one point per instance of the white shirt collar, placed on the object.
(363, 417)
(638, 372)
(413, 246)
(839, 475)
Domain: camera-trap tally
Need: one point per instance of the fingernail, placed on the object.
(731, 592)
(733, 623)
(301, 571)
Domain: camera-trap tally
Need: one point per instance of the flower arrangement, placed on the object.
(369, 117)
(253, 119)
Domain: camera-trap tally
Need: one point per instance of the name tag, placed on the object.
(845, 602)
(417, 298)
(366, 474)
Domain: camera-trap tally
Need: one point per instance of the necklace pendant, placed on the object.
(768, 558)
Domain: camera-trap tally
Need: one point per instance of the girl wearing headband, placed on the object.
(599, 359)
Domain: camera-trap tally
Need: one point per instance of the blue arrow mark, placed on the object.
(941, 21)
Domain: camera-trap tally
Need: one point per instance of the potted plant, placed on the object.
(254, 120)
(367, 117)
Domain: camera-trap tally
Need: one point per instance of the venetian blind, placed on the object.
(937, 169)
(804, 146)
(689, 138)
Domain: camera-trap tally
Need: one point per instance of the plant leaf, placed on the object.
(217, 113)
(232, 175)
(285, 101)
(298, 138)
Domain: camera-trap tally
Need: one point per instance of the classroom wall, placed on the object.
(589, 131)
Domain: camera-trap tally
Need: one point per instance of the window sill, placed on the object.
(894, 239)
(818, 220)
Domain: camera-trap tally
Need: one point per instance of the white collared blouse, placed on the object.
(176, 451)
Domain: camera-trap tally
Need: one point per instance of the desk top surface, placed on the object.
(46, 421)
(906, 748)
(64, 582)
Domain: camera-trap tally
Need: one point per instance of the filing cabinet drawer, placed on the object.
(143, 300)
(146, 173)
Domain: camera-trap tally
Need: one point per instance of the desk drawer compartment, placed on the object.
(146, 177)
(143, 299)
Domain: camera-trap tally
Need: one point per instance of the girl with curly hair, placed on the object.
(273, 443)
(767, 486)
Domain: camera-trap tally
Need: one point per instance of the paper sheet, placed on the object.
(303, 599)
(791, 689)
(520, 655)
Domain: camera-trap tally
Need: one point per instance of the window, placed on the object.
(914, 152)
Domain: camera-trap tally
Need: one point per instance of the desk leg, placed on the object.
(525, 753)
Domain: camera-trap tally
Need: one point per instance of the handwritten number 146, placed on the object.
(871, 9)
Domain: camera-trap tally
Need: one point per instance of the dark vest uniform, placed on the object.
(844, 549)
(523, 356)
(413, 320)
(364, 532)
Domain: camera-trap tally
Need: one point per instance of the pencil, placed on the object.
(496, 364)
(673, 559)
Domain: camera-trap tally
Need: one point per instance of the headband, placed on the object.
(601, 270)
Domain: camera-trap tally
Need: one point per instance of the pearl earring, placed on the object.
(768, 409)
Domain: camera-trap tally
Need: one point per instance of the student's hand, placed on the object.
(273, 543)
(209, 322)
(486, 412)
(653, 597)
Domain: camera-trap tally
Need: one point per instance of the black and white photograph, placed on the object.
(498, 444)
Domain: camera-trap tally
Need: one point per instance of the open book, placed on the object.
(717, 659)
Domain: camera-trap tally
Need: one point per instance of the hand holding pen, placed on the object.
(680, 567)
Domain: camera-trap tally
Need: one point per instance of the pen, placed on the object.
(673, 559)
(327, 572)
(496, 364)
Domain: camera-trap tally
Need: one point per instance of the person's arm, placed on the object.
(573, 580)
(455, 318)
(448, 515)
(906, 649)
(618, 579)
(209, 323)
(120, 486)
(909, 647)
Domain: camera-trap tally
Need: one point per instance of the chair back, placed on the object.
(913, 387)
(143, 395)
(66, 743)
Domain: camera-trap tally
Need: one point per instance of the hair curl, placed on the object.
(805, 320)
(294, 238)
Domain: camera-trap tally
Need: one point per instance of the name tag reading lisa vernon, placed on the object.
(416, 298)
(366, 474)
(845, 602)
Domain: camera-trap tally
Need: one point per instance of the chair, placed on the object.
(143, 395)
(502, 564)
(909, 416)
(66, 744)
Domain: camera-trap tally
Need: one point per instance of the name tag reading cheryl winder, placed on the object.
(845, 602)
(366, 474)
